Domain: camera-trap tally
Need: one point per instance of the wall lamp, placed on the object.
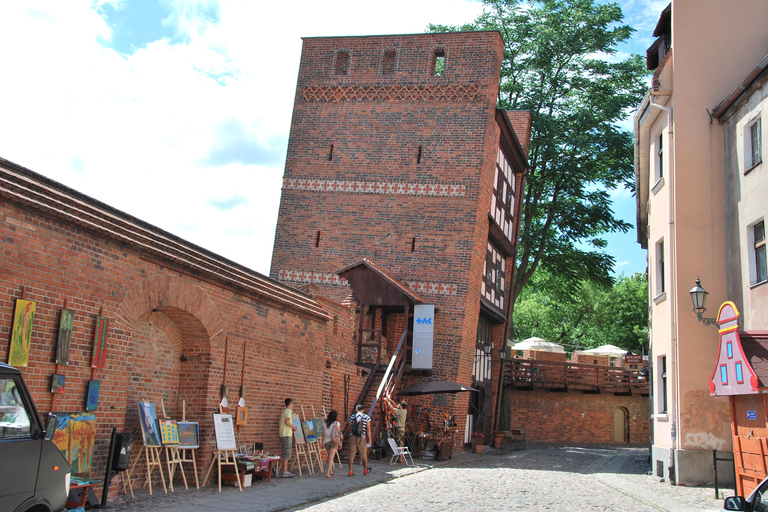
(699, 298)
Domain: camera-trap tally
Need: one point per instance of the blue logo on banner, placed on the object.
(751, 415)
(424, 321)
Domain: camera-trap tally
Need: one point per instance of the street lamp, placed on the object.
(699, 298)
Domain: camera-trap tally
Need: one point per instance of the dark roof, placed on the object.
(384, 278)
(756, 351)
(664, 24)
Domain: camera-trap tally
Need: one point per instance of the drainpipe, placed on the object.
(672, 272)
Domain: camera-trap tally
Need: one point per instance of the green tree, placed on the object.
(560, 64)
(588, 316)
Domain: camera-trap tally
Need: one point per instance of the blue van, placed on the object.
(34, 475)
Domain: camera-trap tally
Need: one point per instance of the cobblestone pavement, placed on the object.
(538, 479)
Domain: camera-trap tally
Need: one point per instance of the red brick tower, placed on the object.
(398, 155)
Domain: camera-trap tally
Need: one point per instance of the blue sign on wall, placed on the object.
(751, 415)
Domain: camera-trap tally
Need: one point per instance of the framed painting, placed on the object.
(169, 432)
(309, 431)
(99, 359)
(21, 335)
(241, 417)
(148, 422)
(74, 436)
(318, 427)
(189, 434)
(65, 336)
(298, 434)
(57, 383)
(92, 398)
(225, 432)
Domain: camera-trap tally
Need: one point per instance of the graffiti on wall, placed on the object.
(705, 421)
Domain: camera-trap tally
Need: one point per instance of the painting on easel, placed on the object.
(298, 432)
(309, 431)
(225, 432)
(169, 432)
(74, 436)
(189, 434)
(148, 422)
(21, 336)
(65, 337)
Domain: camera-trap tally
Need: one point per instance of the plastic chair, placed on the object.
(398, 451)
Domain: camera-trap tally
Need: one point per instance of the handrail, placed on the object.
(573, 375)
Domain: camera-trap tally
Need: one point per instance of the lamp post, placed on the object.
(699, 298)
(502, 357)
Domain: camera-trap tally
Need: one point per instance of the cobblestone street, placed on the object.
(540, 478)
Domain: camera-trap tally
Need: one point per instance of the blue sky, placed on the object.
(178, 111)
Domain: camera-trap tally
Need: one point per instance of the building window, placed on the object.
(494, 270)
(659, 156)
(388, 62)
(723, 374)
(503, 199)
(660, 268)
(729, 350)
(341, 66)
(739, 374)
(758, 231)
(663, 385)
(438, 62)
(754, 144)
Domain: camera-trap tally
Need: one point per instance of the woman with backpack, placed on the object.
(332, 438)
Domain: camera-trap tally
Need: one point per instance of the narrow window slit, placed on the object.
(317, 238)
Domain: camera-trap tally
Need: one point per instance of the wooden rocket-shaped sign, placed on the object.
(733, 375)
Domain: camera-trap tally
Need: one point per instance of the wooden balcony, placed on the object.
(567, 376)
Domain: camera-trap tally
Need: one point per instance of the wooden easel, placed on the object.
(185, 455)
(338, 457)
(171, 456)
(313, 447)
(224, 457)
(300, 448)
(152, 454)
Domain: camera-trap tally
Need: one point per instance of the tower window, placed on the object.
(317, 238)
(341, 66)
(388, 61)
(439, 62)
(418, 156)
(330, 153)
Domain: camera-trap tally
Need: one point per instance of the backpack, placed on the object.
(357, 425)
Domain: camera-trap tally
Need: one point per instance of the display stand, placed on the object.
(185, 456)
(173, 459)
(300, 447)
(313, 446)
(152, 454)
(226, 454)
(127, 478)
(188, 444)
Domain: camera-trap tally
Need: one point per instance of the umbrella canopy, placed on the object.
(606, 350)
(433, 387)
(538, 344)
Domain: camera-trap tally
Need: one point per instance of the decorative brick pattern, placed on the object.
(419, 93)
(376, 187)
(301, 276)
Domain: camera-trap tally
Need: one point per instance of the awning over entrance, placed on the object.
(371, 285)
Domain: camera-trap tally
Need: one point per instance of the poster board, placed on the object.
(224, 427)
(298, 433)
(189, 434)
(169, 432)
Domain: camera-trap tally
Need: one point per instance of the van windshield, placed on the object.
(14, 417)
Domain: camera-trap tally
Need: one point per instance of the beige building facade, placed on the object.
(700, 46)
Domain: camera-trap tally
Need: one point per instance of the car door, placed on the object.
(18, 424)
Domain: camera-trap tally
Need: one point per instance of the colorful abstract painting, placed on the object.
(148, 422)
(74, 435)
(309, 431)
(188, 434)
(92, 398)
(100, 343)
(169, 431)
(298, 434)
(21, 336)
(65, 336)
(57, 383)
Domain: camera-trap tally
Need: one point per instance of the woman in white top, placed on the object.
(330, 426)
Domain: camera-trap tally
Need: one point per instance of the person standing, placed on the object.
(331, 437)
(360, 441)
(400, 411)
(286, 429)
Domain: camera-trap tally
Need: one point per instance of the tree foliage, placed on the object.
(589, 316)
(560, 63)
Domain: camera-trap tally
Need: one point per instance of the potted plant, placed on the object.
(478, 440)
